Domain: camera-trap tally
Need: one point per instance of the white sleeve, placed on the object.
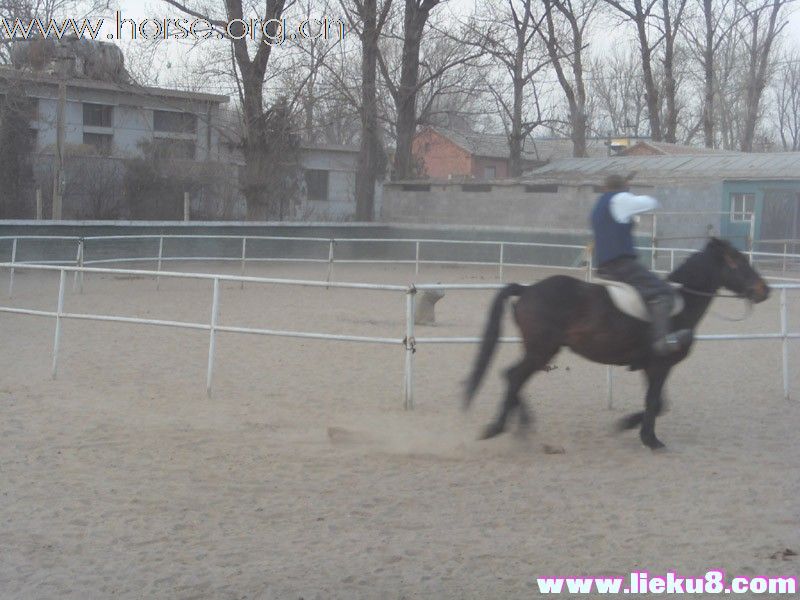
(624, 205)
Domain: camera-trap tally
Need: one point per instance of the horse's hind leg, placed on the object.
(653, 407)
(517, 376)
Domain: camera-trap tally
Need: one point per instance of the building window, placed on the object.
(489, 172)
(742, 207)
(415, 187)
(169, 149)
(174, 122)
(100, 142)
(98, 115)
(317, 184)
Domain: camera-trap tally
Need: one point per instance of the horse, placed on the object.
(562, 311)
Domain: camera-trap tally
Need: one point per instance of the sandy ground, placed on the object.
(303, 477)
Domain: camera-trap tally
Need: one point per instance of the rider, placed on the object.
(612, 222)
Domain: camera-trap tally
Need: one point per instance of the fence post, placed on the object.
(59, 312)
(212, 336)
(610, 387)
(38, 204)
(408, 385)
(158, 264)
(785, 248)
(589, 261)
(79, 262)
(186, 206)
(785, 342)
(244, 258)
(416, 259)
(330, 260)
(653, 243)
(671, 260)
(752, 235)
(11, 272)
(502, 252)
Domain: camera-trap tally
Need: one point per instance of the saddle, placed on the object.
(627, 299)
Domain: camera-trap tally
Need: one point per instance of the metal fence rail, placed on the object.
(409, 342)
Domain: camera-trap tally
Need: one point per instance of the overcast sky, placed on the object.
(603, 39)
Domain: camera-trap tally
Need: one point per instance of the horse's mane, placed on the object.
(696, 270)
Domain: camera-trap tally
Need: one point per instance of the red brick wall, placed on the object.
(479, 164)
(440, 157)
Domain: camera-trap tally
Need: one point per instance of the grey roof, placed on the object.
(495, 145)
(666, 148)
(7, 73)
(703, 167)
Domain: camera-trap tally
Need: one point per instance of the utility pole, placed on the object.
(58, 158)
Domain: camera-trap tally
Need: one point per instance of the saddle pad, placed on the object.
(627, 299)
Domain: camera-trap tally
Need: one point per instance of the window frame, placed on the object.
(741, 214)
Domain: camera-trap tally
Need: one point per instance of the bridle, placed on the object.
(748, 310)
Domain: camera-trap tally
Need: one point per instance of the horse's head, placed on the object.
(737, 275)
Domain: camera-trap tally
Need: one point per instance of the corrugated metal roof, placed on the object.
(495, 145)
(773, 165)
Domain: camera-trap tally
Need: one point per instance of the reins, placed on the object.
(748, 310)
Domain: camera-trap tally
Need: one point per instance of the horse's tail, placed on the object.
(489, 342)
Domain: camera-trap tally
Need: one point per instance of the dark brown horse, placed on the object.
(563, 311)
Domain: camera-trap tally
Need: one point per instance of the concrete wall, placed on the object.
(567, 209)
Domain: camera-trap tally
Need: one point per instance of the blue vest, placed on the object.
(611, 239)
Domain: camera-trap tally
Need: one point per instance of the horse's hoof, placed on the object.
(629, 422)
(653, 443)
(492, 430)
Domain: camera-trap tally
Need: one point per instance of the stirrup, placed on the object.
(673, 342)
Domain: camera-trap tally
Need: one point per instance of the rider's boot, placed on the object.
(666, 342)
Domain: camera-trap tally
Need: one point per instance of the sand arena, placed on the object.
(304, 477)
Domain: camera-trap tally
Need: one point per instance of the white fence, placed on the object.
(579, 255)
(409, 342)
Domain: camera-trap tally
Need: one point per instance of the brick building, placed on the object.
(448, 154)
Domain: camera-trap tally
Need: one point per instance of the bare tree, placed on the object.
(415, 17)
(640, 13)
(787, 101)
(618, 92)
(250, 70)
(763, 22)
(367, 18)
(566, 53)
(707, 34)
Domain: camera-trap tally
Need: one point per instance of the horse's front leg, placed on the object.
(656, 376)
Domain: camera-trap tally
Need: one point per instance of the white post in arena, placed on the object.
(11, 273)
(244, 258)
(59, 312)
(408, 387)
(160, 256)
(79, 262)
(416, 260)
(212, 336)
(752, 235)
(610, 386)
(785, 341)
(653, 243)
(330, 261)
(502, 252)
